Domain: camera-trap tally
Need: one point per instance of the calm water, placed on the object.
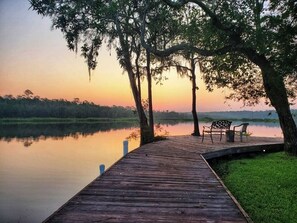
(42, 166)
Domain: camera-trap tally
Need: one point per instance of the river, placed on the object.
(43, 166)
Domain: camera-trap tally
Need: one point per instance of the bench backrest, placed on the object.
(221, 124)
(244, 127)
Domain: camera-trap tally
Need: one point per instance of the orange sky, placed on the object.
(34, 57)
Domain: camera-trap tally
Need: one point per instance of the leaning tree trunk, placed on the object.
(276, 92)
(194, 111)
(146, 135)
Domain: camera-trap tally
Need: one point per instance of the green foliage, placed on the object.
(265, 185)
(88, 24)
(24, 107)
(249, 47)
(231, 34)
(80, 21)
(264, 26)
(34, 109)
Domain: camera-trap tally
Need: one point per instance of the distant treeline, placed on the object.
(244, 115)
(27, 106)
(24, 107)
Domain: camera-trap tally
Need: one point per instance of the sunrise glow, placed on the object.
(35, 57)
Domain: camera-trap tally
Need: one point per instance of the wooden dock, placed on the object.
(165, 181)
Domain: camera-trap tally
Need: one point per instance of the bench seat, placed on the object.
(217, 128)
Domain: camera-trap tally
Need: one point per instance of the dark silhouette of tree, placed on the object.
(87, 24)
(28, 93)
(24, 107)
(155, 66)
(171, 27)
(150, 94)
(243, 42)
(37, 107)
(190, 72)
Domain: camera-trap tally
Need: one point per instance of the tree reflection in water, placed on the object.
(31, 133)
(160, 132)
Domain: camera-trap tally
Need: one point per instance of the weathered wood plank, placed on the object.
(166, 181)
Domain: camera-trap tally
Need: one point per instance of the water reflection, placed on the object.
(263, 129)
(36, 181)
(30, 133)
(159, 131)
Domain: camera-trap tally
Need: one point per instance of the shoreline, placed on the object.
(92, 120)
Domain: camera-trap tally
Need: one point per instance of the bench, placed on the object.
(217, 128)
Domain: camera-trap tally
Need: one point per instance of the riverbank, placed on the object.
(50, 120)
(92, 120)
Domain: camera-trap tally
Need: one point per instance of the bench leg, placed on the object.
(211, 137)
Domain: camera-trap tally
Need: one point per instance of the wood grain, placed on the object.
(165, 181)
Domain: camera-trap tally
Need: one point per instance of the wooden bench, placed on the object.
(217, 128)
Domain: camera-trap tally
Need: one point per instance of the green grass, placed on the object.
(264, 185)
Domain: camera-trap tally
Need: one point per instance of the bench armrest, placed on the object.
(236, 126)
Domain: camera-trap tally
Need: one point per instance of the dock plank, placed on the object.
(165, 181)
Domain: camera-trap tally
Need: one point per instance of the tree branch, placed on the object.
(204, 7)
(176, 4)
(185, 47)
(237, 47)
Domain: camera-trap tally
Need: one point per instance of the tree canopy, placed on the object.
(248, 46)
(226, 32)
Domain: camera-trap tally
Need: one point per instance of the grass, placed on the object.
(264, 185)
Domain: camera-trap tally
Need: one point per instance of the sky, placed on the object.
(35, 57)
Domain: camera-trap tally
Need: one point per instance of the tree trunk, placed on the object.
(194, 111)
(150, 97)
(138, 73)
(146, 135)
(276, 92)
